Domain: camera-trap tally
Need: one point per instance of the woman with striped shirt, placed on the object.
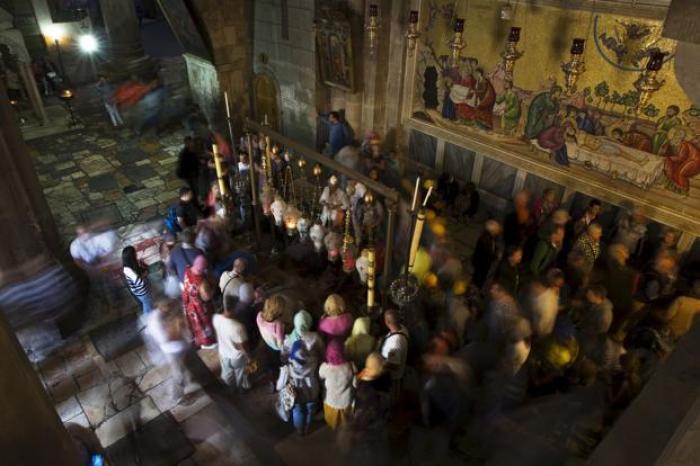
(136, 276)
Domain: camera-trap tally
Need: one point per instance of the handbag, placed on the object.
(286, 398)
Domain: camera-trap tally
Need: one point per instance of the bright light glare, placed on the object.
(54, 32)
(88, 43)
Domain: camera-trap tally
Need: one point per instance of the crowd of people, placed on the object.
(549, 302)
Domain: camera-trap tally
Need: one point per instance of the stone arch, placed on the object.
(266, 100)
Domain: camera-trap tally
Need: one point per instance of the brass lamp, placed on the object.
(575, 67)
(457, 43)
(291, 219)
(511, 53)
(372, 27)
(647, 84)
(412, 33)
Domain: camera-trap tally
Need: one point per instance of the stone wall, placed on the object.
(204, 86)
(290, 61)
(226, 24)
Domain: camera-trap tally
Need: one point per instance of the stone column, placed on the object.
(30, 429)
(126, 52)
(32, 89)
(26, 224)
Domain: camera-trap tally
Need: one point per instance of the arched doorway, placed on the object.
(265, 92)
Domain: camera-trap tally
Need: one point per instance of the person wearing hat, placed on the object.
(333, 200)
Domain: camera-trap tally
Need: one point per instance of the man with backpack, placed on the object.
(184, 214)
(183, 255)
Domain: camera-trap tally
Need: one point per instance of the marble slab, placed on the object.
(459, 162)
(422, 148)
(497, 178)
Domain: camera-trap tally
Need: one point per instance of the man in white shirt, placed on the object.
(394, 350)
(234, 285)
(233, 353)
(90, 249)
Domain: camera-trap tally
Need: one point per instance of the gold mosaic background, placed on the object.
(546, 38)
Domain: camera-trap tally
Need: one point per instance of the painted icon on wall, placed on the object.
(334, 45)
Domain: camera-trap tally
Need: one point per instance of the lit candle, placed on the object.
(373, 10)
(415, 195)
(459, 25)
(228, 110)
(514, 35)
(413, 17)
(427, 196)
(577, 46)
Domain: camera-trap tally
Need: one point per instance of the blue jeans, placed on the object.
(146, 303)
(302, 414)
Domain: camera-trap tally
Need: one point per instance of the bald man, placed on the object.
(233, 284)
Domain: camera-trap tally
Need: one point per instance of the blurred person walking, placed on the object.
(106, 92)
(167, 340)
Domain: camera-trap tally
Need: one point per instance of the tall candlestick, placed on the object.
(371, 264)
(219, 171)
(228, 109)
(412, 33)
(415, 240)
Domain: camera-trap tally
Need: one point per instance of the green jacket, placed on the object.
(543, 258)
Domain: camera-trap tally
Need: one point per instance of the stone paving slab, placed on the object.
(160, 442)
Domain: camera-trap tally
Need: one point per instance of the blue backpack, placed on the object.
(171, 223)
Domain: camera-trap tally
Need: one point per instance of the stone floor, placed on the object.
(101, 172)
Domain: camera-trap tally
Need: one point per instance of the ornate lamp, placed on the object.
(506, 13)
(511, 53)
(647, 84)
(291, 219)
(575, 66)
(301, 163)
(412, 33)
(405, 288)
(457, 43)
(348, 249)
(316, 171)
(372, 27)
(67, 96)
